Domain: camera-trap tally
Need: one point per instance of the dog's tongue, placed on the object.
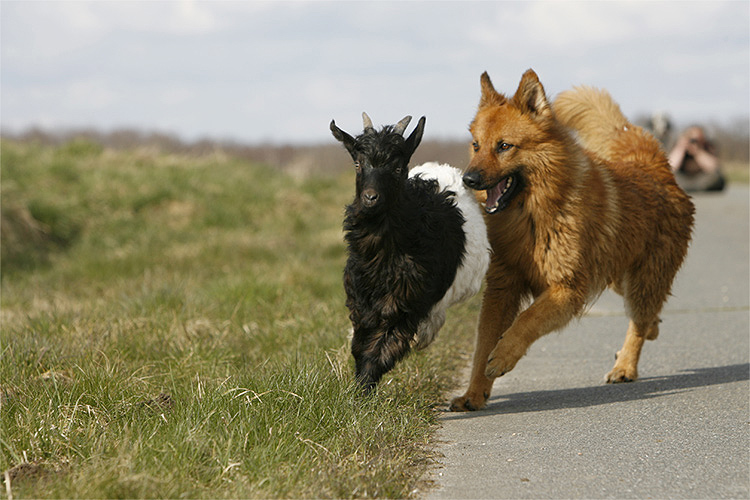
(493, 196)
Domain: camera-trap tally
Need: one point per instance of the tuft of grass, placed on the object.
(174, 326)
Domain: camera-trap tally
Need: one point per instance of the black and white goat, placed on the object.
(417, 245)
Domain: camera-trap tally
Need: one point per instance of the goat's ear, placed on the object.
(347, 140)
(530, 96)
(490, 96)
(416, 137)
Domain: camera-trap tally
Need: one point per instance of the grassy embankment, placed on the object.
(175, 326)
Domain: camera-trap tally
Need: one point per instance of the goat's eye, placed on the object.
(503, 146)
(475, 145)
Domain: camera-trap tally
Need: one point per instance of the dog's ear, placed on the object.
(530, 96)
(490, 96)
(347, 140)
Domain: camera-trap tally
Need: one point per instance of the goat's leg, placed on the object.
(376, 353)
(429, 327)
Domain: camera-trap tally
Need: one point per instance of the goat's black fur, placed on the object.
(405, 242)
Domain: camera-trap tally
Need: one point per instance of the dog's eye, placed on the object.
(357, 167)
(475, 145)
(397, 171)
(503, 146)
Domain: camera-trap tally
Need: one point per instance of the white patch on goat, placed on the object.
(470, 274)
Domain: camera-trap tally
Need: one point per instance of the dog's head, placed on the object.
(507, 135)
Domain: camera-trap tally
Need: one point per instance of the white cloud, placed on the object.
(565, 24)
(282, 70)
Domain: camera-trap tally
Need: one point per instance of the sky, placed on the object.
(279, 71)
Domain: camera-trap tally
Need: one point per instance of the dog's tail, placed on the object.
(600, 124)
(594, 115)
(603, 130)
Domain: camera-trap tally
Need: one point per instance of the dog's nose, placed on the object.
(473, 180)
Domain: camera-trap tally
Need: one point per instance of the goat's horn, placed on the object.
(367, 122)
(401, 126)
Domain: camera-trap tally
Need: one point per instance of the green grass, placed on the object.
(175, 327)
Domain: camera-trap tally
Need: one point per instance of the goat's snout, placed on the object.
(473, 179)
(370, 198)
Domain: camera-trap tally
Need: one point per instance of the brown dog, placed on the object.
(576, 199)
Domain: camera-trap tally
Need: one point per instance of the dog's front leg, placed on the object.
(499, 308)
(551, 310)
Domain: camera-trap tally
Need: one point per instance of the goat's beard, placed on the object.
(359, 209)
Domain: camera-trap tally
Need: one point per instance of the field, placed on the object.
(174, 325)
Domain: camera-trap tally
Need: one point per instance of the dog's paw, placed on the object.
(502, 360)
(620, 375)
(468, 403)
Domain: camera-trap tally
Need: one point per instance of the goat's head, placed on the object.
(381, 159)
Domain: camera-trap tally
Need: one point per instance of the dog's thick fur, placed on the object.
(576, 199)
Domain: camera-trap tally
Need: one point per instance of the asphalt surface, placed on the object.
(553, 429)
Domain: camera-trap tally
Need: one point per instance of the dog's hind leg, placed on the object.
(645, 290)
(626, 359)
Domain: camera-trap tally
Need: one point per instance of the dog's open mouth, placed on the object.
(500, 195)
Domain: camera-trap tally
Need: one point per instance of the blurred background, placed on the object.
(263, 79)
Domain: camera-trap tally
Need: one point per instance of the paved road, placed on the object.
(552, 429)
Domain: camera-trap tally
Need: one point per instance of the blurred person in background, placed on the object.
(695, 163)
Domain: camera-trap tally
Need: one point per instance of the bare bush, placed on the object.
(731, 138)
